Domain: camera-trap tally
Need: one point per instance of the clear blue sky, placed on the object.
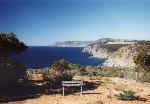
(43, 22)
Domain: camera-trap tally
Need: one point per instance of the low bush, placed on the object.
(142, 76)
(59, 72)
(61, 65)
(56, 80)
(126, 95)
(76, 66)
(78, 70)
(110, 72)
(145, 77)
(142, 59)
(119, 89)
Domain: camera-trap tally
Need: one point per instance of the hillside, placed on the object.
(102, 50)
(118, 55)
(123, 57)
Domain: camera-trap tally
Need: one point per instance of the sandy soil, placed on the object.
(103, 94)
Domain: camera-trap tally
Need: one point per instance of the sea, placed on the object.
(44, 56)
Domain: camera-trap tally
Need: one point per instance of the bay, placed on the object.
(44, 56)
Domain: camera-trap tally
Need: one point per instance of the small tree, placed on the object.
(61, 65)
(62, 70)
(10, 44)
(142, 59)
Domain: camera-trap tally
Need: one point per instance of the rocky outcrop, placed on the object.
(123, 57)
(96, 51)
(101, 50)
(118, 55)
(72, 44)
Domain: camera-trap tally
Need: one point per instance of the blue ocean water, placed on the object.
(43, 56)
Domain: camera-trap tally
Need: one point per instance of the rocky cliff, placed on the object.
(123, 57)
(102, 50)
(118, 55)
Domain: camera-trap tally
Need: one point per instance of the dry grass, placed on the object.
(102, 94)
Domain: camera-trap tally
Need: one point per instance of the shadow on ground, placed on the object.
(140, 99)
(30, 91)
(87, 86)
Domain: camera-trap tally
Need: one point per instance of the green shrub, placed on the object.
(60, 65)
(10, 44)
(47, 70)
(59, 72)
(56, 80)
(126, 95)
(145, 77)
(142, 60)
(119, 89)
(76, 66)
(110, 72)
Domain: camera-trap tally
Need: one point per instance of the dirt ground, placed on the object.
(102, 94)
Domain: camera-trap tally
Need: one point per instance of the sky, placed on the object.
(43, 22)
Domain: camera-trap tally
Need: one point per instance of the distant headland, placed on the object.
(85, 43)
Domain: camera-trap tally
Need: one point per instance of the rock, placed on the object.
(123, 57)
(118, 55)
(101, 50)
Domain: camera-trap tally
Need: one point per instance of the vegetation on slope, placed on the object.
(142, 60)
(10, 44)
(10, 71)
